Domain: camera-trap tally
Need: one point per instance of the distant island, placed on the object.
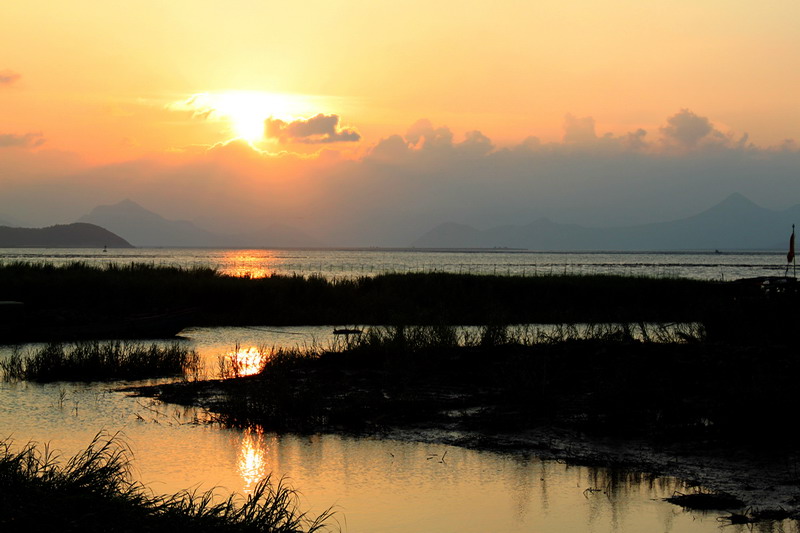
(77, 235)
(734, 224)
(143, 227)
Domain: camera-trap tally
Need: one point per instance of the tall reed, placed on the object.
(95, 491)
(100, 361)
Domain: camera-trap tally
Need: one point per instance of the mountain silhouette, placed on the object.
(77, 235)
(146, 228)
(9, 222)
(736, 223)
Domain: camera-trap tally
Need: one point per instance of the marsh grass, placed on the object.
(100, 361)
(64, 297)
(243, 362)
(95, 491)
(69, 301)
(389, 373)
(663, 383)
(419, 338)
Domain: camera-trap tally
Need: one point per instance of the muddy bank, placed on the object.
(717, 415)
(762, 482)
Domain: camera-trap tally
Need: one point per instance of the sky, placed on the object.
(368, 123)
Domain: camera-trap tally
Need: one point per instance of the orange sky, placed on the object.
(368, 113)
(100, 78)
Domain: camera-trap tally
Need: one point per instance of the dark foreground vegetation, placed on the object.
(94, 492)
(99, 361)
(78, 301)
(722, 385)
(607, 381)
(137, 300)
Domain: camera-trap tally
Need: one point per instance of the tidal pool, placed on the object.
(374, 485)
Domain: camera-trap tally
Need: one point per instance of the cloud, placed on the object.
(580, 135)
(27, 140)
(320, 129)
(392, 148)
(197, 105)
(684, 131)
(411, 181)
(635, 140)
(7, 77)
(579, 130)
(423, 139)
(476, 143)
(688, 130)
(422, 134)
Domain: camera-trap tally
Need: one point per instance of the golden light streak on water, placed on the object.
(245, 361)
(249, 263)
(252, 460)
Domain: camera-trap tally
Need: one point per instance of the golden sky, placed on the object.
(152, 91)
(101, 78)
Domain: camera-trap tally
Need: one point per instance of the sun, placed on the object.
(246, 111)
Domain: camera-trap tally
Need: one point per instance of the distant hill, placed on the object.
(78, 235)
(146, 228)
(9, 222)
(734, 224)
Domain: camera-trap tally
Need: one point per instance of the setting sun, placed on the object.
(246, 111)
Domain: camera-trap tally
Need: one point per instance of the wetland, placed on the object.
(640, 378)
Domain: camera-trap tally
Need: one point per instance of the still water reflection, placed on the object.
(375, 485)
(253, 454)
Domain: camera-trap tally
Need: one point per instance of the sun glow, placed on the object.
(250, 263)
(244, 361)
(246, 111)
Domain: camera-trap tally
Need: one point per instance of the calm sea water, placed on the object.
(354, 263)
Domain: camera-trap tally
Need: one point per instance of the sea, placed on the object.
(353, 263)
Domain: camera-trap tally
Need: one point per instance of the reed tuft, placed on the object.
(95, 491)
(99, 361)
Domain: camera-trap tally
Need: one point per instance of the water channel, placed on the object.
(374, 485)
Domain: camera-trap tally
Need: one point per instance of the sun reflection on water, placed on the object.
(243, 361)
(249, 263)
(252, 461)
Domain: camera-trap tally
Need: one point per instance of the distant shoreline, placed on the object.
(411, 249)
